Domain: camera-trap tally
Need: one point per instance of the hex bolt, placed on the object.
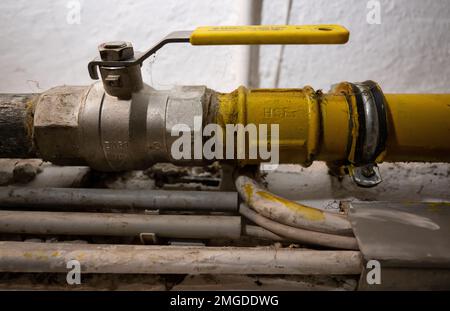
(116, 51)
(114, 44)
(119, 81)
(367, 171)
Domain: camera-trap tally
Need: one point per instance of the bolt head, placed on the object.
(116, 51)
(367, 172)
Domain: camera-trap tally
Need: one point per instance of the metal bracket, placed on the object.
(148, 238)
(372, 134)
(186, 243)
(365, 176)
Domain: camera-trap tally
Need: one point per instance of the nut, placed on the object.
(116, 51)
(56, 128)
(367, 171)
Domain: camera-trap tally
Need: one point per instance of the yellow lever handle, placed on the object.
(269, 34)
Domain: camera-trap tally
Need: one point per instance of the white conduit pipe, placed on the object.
(301, 235)
(288, 212)
(261, 233)
(53, 257)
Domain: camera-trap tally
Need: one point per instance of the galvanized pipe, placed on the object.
(300, 235)
(16, 125)
(110, 224)
(53, 257)
(66, 198)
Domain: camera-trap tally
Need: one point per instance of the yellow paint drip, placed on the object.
(80, 256)
(36, 255)
(307, 212)
(437, 207)
(27, 255)
(248, 189)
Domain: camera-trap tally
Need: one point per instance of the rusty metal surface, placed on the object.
(403, 234)
(16, 125)
(56, 124)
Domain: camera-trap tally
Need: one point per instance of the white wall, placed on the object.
(408, 52)
(39, 49)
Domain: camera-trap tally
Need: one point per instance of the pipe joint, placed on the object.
(85, 125)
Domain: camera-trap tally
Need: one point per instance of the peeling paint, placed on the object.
(307, 212)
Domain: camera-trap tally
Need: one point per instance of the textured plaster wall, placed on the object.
(402, 182)
(408, 52)
(39, 49)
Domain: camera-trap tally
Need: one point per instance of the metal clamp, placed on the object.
(148, 238)
(372, 133)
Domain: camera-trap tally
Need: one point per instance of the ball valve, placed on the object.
(124, 124)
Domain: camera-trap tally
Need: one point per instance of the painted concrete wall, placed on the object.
(408, 52)
(42, 45)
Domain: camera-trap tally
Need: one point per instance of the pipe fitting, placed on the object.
(86, 126)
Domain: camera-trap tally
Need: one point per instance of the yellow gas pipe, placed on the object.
(419, 127)
(318, 126)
